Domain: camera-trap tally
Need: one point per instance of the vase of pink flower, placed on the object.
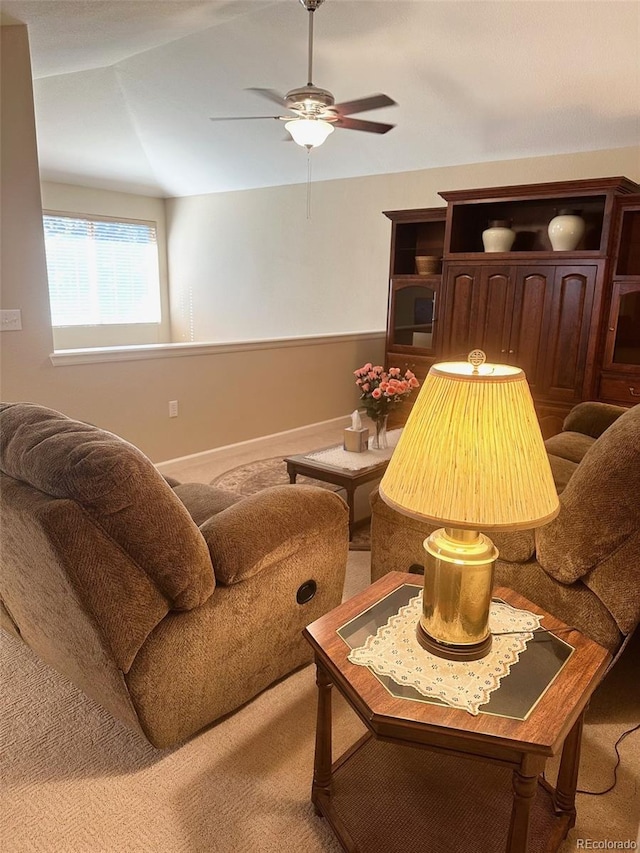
(381, 391)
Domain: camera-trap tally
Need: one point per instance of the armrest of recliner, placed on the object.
(592, 418)
(515, 546)
(263, 529)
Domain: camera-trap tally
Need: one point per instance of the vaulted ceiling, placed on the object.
(124, 88)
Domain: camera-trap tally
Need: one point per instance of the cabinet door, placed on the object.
(413, 315)
(459, 311)
(533, 291)
(479, 308)
(565, 334)
(622, 343)
(492, 312)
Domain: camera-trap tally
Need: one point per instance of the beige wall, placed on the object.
(67, 198)
(247, 265)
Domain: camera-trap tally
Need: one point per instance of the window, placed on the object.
(101, 271)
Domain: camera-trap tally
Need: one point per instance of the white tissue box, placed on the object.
(356, 440)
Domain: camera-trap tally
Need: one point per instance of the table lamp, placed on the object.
(471, 457)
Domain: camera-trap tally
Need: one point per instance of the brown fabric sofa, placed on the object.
(169, 606)
(583, 567)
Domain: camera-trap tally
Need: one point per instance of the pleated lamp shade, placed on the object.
(471, 455)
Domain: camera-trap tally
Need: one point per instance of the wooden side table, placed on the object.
(473, 783)
(346, 478)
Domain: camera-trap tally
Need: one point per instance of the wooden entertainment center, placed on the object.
(570, 319)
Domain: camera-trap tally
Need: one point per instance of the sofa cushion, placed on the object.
(561, 471)
(569, 445)
(599, 508)
(120, 490)
(203, 501)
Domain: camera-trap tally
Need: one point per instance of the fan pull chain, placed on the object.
(308, 183)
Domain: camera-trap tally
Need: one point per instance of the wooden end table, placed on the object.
(474, 782)
(348, 479)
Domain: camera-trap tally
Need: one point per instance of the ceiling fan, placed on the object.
(315, 112)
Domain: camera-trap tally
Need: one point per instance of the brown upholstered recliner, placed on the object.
(583, 567)
(168, 619)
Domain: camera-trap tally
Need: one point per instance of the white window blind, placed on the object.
(101, 271)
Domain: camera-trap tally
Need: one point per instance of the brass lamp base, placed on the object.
(471, 651)
(458, 581)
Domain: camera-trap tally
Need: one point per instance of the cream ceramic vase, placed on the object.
(499, 236)
(566, 230)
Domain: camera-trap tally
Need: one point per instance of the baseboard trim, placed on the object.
(296, 432)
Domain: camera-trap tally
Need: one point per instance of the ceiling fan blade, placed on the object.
(242, 118)
(358, 124)
(373, 102)
(270, 95)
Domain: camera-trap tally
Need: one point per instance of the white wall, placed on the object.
(251, 265)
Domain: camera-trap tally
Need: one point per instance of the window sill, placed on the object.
(93, 355)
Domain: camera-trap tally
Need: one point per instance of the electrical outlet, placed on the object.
(173, 408)
(10, 320)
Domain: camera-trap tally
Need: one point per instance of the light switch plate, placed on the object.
(10, 320)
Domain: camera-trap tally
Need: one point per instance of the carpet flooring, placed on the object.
(76, 781)
(253, 477)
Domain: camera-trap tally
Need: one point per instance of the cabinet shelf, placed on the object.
(418, 279)
(529, 219)
(524, 256)
(415, 233)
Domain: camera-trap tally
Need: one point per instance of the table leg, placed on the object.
(321, 789)
(525, 783)
(564, 798)
(291, 471)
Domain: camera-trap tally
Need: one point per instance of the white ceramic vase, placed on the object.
(566, 230)
(499, 236)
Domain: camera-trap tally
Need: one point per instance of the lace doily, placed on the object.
(340, 458)
(394, 651)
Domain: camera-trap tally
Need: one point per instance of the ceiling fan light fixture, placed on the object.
(309, 132)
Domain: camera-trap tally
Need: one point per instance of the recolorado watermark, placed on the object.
(606, 844)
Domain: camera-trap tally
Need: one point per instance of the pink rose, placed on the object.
(394, 371)
(413, 382)
(376, 393)
(365, 386)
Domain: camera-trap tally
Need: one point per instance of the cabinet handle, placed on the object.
(633, 391)
(510, 352)
(611, 328)
(503, 350)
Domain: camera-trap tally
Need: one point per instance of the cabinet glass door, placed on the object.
(413, 316)
(625, 325)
